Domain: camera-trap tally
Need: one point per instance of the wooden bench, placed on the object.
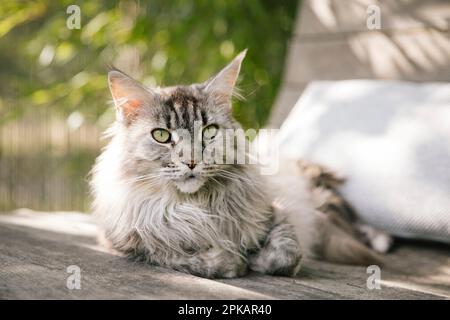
(36, 249)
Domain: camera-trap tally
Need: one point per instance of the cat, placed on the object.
(194, 214)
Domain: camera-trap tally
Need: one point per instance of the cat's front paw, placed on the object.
(222, 264)
(237, 269)
(281, 254)
(213, 263)
(281, 263)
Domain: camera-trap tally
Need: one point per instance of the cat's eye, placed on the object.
(161, 135)
(210, 131)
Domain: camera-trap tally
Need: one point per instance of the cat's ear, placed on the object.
(128, 95)
(221, 85)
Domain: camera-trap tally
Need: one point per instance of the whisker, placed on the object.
(143, 178)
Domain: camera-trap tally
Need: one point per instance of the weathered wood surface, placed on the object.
(36, 249)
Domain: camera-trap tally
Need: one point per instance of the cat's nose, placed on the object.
(191, 164)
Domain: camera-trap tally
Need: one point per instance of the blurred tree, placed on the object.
(46, 66)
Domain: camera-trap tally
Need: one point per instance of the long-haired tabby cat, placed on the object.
(202, 217)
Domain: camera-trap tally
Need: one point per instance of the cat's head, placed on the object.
(173, 135)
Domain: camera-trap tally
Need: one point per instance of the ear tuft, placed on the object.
(128, 95)
(221, 85)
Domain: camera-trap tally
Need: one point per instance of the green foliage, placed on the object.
(45, 66)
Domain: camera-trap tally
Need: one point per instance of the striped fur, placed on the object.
(211, 219)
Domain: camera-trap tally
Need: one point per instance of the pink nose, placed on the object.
(191, 164)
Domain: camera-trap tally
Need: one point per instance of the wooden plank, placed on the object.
(320, 17)
(36, 249)
(34, 265)
(422, 55)
(331, 41)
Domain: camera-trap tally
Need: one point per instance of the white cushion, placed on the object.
(390, 139)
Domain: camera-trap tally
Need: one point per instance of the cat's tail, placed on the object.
(324, 221)
(342, 241)
(341, 246)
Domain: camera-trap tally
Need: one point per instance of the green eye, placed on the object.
(161, 135)
(210, 131)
